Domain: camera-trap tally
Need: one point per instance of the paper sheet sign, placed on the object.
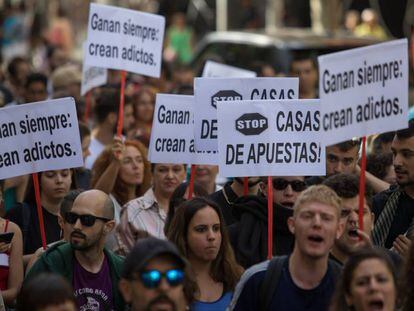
(364, 91)
(209, 92)
(124, 39)
(92, 76)
(270, 138)
(39, 137)
(216, 70)
(172, 134)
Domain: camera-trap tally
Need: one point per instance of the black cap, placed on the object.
(147, 249)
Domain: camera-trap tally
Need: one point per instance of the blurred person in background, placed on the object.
(352, 19)
(17, 71)
(106, 116)
(380, 165)
(143, 108)
(370, 26)
(61, 31)
(82, 174)
(206, 175)
(66, 81)
(179, 40)
(304, 67)
(35, 88)
(199, 232)
(56, 57)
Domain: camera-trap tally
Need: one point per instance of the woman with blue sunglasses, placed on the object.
(198, 230)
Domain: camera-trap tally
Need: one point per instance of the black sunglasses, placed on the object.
(281, 184)
(152, 278)
(86, 220)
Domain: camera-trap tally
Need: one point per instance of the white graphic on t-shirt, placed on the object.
(91, 305)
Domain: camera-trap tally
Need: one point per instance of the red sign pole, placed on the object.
(87, 107)
(121, 105)
(39, 209)
(245, 185)
(362, 184)
(269, 217)
(191, 186)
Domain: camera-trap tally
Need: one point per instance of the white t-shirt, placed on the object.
(95, 148)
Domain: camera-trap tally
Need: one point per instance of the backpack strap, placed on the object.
(270, 281)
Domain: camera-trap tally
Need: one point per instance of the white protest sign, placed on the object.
(172, 134)
(92, 76)
(213, 70)
(124, 39)
(209, 91)
(39, 137)
(270, 138)
(364, 91)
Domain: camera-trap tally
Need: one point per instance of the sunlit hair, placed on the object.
(119, 191)
(318, 194)
(224, 267)
(343, 287)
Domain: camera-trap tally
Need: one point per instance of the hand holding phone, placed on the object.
(6, 237)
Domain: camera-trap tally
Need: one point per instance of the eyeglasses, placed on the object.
(86, 220)
(152, 278)
(281, 184)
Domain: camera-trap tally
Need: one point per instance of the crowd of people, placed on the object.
(126, 234)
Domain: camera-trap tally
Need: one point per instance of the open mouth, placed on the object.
(315, 238)
(287, 204)
(376, 304)
(353, 233)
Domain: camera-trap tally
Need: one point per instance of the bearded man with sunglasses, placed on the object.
(156, 277)
(93, 271)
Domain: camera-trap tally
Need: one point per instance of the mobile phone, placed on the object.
(6, 237)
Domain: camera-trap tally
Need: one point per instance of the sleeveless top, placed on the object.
(4, 265)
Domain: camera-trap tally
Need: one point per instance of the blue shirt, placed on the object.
(288, 296)
(219, 305)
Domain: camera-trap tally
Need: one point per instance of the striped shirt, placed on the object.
(138, 217)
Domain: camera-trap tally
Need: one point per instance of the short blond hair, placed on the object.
(319, 194)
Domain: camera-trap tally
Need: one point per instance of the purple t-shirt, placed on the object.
(93, 291)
